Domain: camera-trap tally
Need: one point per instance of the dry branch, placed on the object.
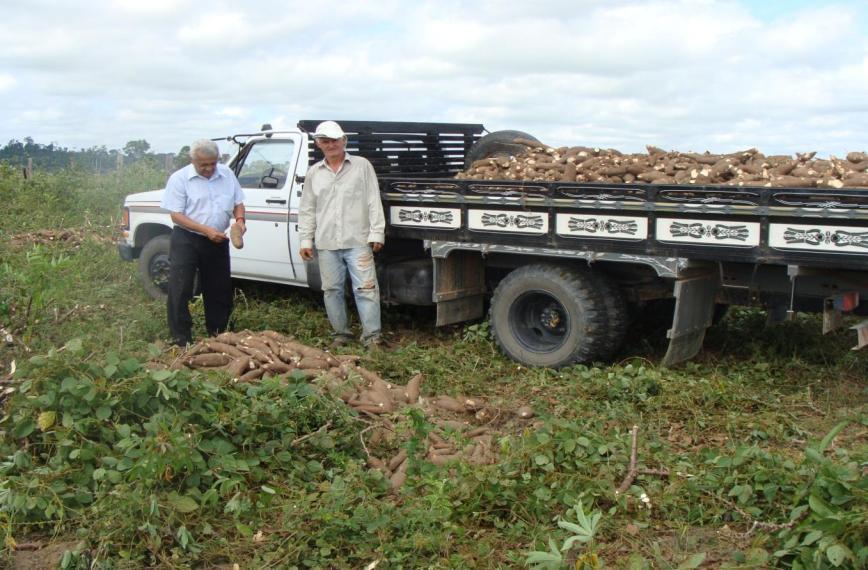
(322, 428)
(631, 471)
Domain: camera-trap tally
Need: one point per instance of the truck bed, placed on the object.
(416, 164)
(743, 224)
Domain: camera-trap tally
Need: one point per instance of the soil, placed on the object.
(39, 555)
(71, 237)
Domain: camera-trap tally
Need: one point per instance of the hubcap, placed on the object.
(539, 321)
(159, 271)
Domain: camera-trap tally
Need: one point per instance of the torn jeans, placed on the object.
(333, 267)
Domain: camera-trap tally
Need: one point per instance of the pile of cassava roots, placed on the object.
(463, 428)
(746, 168)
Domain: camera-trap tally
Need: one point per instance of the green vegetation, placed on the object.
(53, 158)
(130, 463)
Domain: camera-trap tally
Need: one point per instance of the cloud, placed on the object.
(234, 112)
(228, 27)
(6, 81)
(679, 74)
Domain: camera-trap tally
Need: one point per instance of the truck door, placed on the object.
(294, 241)
(266, 171)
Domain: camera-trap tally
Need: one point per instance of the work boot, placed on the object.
(340, 340)
(375, 344)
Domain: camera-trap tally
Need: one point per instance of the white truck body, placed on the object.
(271, 243)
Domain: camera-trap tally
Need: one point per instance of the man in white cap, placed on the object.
(342, 216)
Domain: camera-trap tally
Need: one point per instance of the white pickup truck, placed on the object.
(558, 262)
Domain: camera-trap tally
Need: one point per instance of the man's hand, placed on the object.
(306, 253)
(215, 236)
(375, 246)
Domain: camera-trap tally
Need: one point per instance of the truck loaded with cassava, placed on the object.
(565, 246)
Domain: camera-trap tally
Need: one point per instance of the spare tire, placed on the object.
(498, 143)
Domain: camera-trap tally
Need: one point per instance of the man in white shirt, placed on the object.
(342, 215)
(203, 198)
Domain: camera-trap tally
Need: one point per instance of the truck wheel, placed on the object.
(154, 267)
(498, 143)
(617, 316)
(548, 315)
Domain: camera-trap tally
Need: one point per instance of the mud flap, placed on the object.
(695, 293)
(459, 287)
(861, 334)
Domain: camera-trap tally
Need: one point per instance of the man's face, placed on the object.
(332, 148)
(204, 165)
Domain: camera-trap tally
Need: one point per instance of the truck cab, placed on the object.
(270, 167)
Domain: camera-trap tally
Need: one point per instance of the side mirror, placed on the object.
(268, 182)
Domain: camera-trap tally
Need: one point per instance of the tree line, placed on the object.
(52, 157)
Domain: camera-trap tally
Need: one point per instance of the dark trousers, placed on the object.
(189, 252)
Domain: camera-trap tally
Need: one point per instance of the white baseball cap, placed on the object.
(329, 130)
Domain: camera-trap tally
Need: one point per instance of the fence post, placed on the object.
(28, 170)
(169, 162)
(120, 162)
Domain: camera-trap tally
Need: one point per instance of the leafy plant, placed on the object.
(139, 452)
(828, 527)
(583, 532)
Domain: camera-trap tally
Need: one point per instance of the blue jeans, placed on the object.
(333, 267)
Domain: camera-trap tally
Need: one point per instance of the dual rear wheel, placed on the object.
(555, 315)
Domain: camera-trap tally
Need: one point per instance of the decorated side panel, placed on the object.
(819, 237)
(425, 217)
(603, 226)
(508, 221)
(708, 232)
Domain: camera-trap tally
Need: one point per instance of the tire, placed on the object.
(617, 316)
(498, 143)
(154, 268)
(548, 315)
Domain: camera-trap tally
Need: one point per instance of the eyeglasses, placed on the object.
(324, 140)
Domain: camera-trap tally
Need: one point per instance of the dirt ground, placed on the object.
(39, 555)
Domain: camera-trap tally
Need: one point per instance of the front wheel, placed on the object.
(548, 315)
(154, 267)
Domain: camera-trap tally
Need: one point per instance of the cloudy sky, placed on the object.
(722, 75)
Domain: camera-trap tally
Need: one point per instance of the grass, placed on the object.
(741, 430)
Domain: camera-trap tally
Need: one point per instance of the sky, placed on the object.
(689, 75)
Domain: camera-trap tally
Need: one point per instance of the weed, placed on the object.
(583, 532)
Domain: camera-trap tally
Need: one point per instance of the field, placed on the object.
(754, 455)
